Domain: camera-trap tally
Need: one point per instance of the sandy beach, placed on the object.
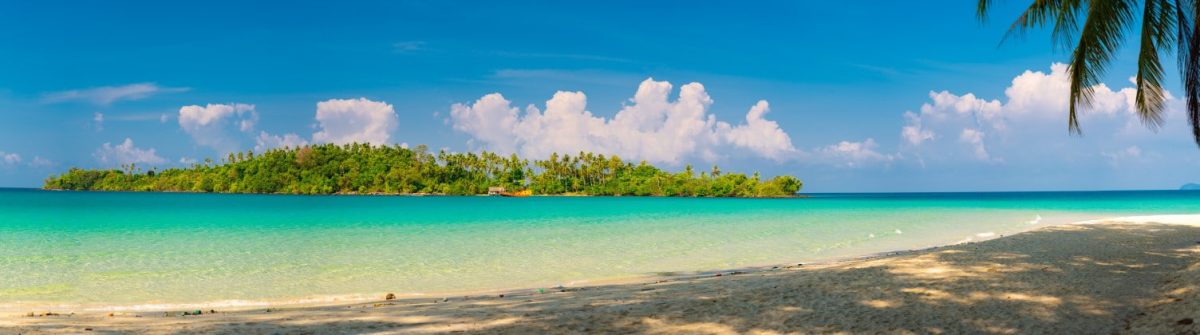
(1121, 275)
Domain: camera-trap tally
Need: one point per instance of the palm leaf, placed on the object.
(1188, 40)
(1158, 23)
(1099, 39)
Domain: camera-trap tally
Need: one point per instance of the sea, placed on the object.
(123, 251)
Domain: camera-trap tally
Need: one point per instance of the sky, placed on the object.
(848, 96)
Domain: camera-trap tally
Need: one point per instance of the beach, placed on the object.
(1120, 275)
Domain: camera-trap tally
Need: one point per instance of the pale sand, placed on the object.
(1126, 275)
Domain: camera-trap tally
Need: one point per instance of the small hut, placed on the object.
(495, 190)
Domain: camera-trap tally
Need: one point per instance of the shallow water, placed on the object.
(84, 250)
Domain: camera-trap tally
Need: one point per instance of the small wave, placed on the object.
(1035, 220)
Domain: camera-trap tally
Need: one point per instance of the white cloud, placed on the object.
(1030, 121)
(354, 120)
(913, 133)
(266, 141)
(651, 127)
(1129, 153)
(163, 118)
(187, 160)
(208, 125)
(490, 120)
(760, 135)
(106, 95)
(98, 119)
(126, 153)
(10, 158)
(974, 138)
(853, 154)
(39, 161)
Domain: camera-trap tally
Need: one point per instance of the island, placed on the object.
(374, 169)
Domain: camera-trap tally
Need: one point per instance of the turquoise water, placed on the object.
(81, 250)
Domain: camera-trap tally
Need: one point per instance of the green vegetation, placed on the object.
(1166, 26)
(367, 169)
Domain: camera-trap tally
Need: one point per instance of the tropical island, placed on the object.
(371, 169)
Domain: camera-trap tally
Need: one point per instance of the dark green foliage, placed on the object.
(366, 169)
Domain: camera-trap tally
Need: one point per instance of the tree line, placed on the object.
(370, 169)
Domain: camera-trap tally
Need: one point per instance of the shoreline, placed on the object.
(380, 194)
(1117, 275)
(237, 305)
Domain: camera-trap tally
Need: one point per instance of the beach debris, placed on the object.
(268, 310)
(390, 296)
(898, 232)
(542, 291)
(110, 314)
(88, 329)
(445, 299)
(212, 311)
(501, 295)
(1186, 321)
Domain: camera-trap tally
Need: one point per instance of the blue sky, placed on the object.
(98, 84)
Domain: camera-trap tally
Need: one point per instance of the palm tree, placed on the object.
(1166, 25)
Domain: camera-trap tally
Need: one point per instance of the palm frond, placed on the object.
(1189, 59)
(1158, 25)
(1101, 36)
(982, 8)
(1063, 14)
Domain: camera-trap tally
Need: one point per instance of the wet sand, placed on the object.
(1123, 275)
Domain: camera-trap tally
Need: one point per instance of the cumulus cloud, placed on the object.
(125, 153)
(913, 133)
(650, 127)
(107, 95)
(10, 158)
(758, 134)
(974, 138)
(209, 125)
(355, 120)
(266, 141)
(853, 154)
(1030, 119)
